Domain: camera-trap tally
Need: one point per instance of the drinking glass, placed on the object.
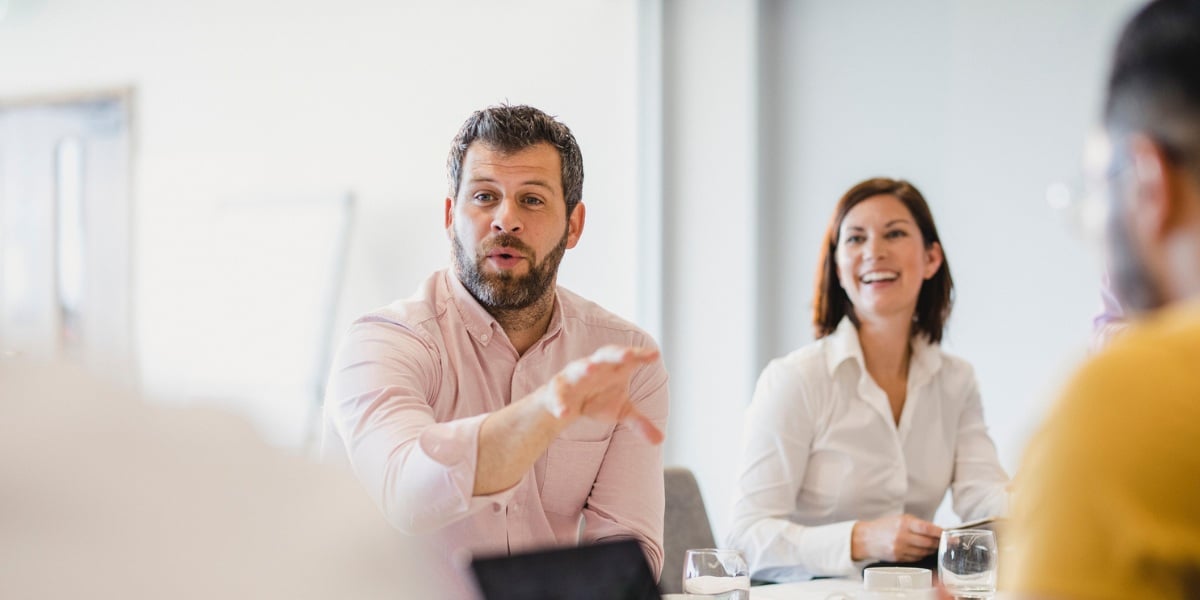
(716, 574)
(967, 563)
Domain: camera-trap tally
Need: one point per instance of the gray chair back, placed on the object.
(685, 525)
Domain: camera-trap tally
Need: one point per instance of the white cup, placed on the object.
(893, 583)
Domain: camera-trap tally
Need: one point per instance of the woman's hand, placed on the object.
(899, 538)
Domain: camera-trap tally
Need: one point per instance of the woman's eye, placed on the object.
(856, 239)
(896, 233)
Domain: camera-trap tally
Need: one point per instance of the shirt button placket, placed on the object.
(513, 526)
(520, 385)
(900, 478)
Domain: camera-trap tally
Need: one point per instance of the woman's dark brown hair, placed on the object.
(830, 302)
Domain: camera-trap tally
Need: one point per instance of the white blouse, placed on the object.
(821, 451)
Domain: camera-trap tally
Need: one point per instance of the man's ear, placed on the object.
(1155, 195)
(449, 214)
(575, 225)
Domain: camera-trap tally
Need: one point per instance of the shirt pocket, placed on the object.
(571, 468)
(824, 479)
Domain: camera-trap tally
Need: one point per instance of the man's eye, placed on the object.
(534, 200)
(483, 197)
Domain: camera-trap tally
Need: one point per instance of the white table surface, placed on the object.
(801, 590)
(817, 589)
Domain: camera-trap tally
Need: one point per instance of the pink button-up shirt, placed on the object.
(413, 382)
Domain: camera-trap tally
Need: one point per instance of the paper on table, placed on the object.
(984, 523)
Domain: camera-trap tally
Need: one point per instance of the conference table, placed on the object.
(817, 589)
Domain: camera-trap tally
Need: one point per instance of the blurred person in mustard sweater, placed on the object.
(1107, 501)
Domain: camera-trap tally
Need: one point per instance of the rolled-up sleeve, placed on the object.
(627, 499)
(777, 440)
(420, 472)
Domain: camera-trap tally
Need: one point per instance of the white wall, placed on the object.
(297, 103)
(981, 104)
(709, 191)
(770, 111)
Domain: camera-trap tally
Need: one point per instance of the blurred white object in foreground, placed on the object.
(102, 496)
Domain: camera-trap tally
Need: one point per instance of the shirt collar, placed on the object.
(843, 345)
(556, 320)
(480, 324)
(926, 360)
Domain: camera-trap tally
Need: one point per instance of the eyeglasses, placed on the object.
(1082, 202)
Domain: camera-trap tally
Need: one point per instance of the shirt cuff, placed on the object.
(455, 446)
(835, 539)
(446, 460)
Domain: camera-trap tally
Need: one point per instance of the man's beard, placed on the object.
(1131, 281)
(505, 291)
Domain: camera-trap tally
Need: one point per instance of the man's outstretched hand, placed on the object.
(597, 387)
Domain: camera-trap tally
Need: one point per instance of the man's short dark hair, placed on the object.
(1154, 86)
(509, 129)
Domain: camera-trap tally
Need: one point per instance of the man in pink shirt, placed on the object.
(493, 409)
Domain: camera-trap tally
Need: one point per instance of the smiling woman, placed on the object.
(854, 439)
(895, 218)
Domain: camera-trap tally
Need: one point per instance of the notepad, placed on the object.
(984, 523)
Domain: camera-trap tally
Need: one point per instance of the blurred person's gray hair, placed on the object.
(1154, 85)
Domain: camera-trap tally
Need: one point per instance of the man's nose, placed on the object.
(507, 217)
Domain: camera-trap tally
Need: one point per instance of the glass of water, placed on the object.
(718, 574)
(967, 563)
